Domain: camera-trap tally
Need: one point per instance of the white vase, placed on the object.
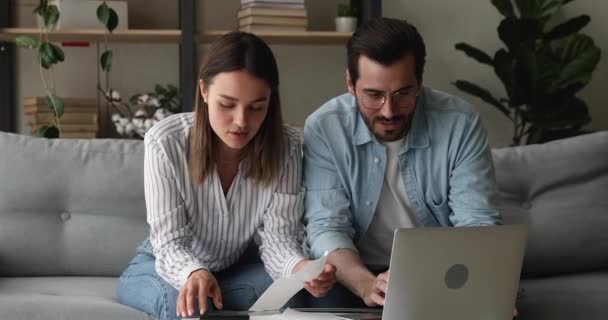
(346, 24)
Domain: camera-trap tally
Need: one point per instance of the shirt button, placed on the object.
(376, 160)
(65, 216)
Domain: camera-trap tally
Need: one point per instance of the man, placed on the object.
(390, 153)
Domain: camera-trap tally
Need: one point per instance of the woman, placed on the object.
(215, 179)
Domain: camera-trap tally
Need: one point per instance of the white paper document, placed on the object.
(290, 314)
(284, 288)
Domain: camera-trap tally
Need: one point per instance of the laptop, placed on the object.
(464, 273)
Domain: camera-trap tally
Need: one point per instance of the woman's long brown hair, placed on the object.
(264, 153)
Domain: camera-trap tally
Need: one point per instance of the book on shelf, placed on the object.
(84, 102)
(67, 117)
(273, 12)
(271, 28)
(272, 2)
(79, 135)
(43, 108)
(70, 127)
(281, 21)
(273, 5)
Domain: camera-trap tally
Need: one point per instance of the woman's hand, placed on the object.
(200, 284)
(319, 286)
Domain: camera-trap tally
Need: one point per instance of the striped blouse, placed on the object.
(198, 227)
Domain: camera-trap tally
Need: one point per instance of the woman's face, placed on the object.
(238, 104)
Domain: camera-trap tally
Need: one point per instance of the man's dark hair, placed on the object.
(385, 41)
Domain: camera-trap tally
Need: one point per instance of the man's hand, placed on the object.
(319, 286)
(375, 290)
(200, 284)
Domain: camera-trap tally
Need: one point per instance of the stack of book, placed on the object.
(79, 119)
(272, 15)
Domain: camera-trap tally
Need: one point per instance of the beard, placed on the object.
(398, 126)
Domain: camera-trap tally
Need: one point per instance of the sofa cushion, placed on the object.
(561, 190)
(63, 298)
(579, 296)
(70, 207)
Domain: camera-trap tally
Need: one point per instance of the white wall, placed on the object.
(444, 23)
(312, 74)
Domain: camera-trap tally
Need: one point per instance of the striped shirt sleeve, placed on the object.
(170, 228)
(282, 233)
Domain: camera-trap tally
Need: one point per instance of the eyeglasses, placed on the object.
(401, 99)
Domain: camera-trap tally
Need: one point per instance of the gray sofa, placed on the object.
(72, 213)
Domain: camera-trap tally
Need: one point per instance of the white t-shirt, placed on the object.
(393, 211)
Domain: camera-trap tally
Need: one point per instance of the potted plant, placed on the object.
(346, 21)
(541, 68)
(50, 54)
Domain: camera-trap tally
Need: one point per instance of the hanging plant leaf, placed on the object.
(103, 13)
(47, 55)
(57, 53)
(27, 42)
(51, 17)
(41, 8)
(49, 131)
(106, 61)
(56, 103)
(112, 20)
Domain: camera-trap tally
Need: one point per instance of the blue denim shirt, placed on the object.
(445, 162)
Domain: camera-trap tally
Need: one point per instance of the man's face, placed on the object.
(386, 96)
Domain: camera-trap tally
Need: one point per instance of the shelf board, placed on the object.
(287, 37)
(174, 36)
(97, 35)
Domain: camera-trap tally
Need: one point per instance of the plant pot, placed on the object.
(346, 24)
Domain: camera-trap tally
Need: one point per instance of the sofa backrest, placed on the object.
(561, 190)
(68, 207)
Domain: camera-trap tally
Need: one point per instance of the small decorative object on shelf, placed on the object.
(272, 15)
(134, 119)
(346, 21)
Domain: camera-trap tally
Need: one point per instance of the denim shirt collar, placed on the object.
(418, 136)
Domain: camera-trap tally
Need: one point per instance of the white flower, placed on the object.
(153, 102)
(120, 129)
(138, 122)
(113, 95)
(123, 121)
(143, 99)
(147, 124)
(141, 113)
(161, 114)
(115, 117)
(129, 129)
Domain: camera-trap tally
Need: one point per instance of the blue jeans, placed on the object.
(140, 287)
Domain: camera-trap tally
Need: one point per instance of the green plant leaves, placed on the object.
(538, 9)
(107, 16)
(106, 61)
(51, 17)
(578, 57)
(504, 7)
(474, 53)
(481, 93)
(50, 131)
(56, 104)
(50, 54)
(567, 28)
(27, 42)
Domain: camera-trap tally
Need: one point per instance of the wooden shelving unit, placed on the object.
(96, 35)
(173, 36)
(289, 37)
